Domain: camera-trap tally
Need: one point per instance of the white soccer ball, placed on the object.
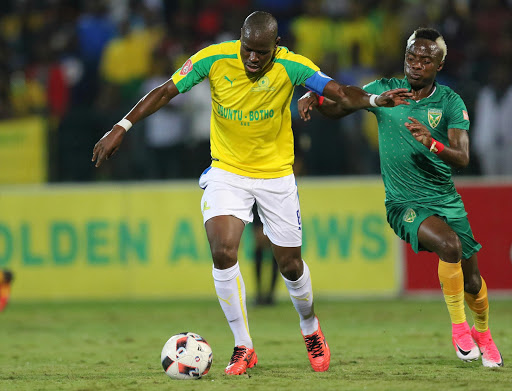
(186, 356)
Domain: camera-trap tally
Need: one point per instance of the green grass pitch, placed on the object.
(395, 344)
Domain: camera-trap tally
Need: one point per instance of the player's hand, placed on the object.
(419, 131)
(394, 97)
(306, 103)
(108, 145)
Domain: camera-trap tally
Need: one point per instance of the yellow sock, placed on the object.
(479, 306)
(452, 284)
(5, 290)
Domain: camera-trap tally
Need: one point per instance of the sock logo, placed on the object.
(301, 298)
(225, 300)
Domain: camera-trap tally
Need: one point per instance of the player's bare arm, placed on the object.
(153, 101)
(341, 100)
(456, 154)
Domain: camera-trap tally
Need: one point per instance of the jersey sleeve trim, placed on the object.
(200, 69)
(297, 72)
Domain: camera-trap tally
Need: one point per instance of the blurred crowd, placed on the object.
(82, 64)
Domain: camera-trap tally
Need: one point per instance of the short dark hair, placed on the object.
(427, 33)
(261, 21)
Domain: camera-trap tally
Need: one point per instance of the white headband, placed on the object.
(441, 44)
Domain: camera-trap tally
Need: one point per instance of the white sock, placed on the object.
(230, 289)
(301, 294)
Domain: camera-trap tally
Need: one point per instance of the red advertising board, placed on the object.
(489, 208)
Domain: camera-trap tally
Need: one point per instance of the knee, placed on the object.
(450, 248)
(291, 267)
(224, 256)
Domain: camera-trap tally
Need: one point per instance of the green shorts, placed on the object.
(406, 219)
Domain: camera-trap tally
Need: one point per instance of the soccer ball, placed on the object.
(186, 356)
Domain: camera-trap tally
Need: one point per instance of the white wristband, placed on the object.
(124, 123)
(372, 100)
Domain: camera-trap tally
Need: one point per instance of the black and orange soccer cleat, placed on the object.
(241, 359)
(319, 353)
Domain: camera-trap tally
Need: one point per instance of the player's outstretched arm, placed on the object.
(153, 101)
(341, 100)
(456, 154)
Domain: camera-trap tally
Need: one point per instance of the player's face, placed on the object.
(256, 52)
(423, 59)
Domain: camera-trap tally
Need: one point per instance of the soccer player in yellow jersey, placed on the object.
(252, 82)
(418, 145)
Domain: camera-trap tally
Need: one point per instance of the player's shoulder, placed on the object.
(445, 90)
(392, 82)
(384, 84)
(283, 54)
(447, 94)
(226, 48)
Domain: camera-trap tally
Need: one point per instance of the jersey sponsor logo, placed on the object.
(187, 67)
(465, 115)
(240, 115)
(410, 215)
(263, 85)
(434, 117)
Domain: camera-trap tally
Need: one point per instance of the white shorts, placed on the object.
(277, 200)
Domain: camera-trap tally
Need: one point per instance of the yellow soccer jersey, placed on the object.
(250, 128)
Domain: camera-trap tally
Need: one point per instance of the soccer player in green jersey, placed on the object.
(418, 145)
(252, 81)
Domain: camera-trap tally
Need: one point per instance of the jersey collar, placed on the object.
(435, 96)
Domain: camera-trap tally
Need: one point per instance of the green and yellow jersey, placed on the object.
(250, 127)
(411, 172)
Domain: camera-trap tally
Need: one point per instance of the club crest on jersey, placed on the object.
(263, 85)
(187, 67)
(409, 215)
(434, 117)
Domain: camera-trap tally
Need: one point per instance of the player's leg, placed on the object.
(226, 207)
(435, 235)
(279, 211)
(296, 275)
(224, 234)
(476, 297)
